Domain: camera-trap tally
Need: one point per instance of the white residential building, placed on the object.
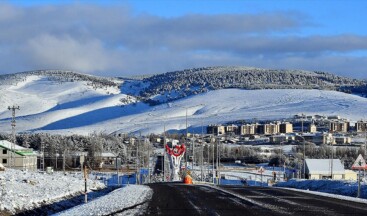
(24, 158)
(325, 169)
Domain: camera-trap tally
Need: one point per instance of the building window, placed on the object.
(5, 161)
(5, 151)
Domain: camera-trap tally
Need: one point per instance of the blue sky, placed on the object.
(121, 38)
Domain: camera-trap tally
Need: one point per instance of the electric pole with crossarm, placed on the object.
(13, 124)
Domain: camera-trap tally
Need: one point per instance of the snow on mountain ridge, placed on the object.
(71, 105)
(213, 107)
(199, 80)
(38, 94)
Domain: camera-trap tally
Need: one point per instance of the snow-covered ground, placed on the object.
(338, 187)
(75, 107)
(23, 190)
(132, 197)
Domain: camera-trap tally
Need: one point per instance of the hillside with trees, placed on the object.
(59, 76)
(179, 84)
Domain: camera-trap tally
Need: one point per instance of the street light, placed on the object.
(164, 141)
(304, 156)
(186, 108)
(332, 154)
(280, 159)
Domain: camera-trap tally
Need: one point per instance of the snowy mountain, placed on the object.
(71, 103)
(179, 84)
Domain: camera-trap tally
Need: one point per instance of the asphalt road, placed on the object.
(180, 199)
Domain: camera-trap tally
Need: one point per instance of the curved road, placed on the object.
(180, 199)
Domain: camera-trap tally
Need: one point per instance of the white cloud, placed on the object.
(68, 53)
(113, 41)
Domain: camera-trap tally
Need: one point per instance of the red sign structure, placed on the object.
(176, 153)
(360, 163)
(176, 150)
(261, 170)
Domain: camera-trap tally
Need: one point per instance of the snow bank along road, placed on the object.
(180, 199)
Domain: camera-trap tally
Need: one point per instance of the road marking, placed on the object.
(276, 198)
(277, 209)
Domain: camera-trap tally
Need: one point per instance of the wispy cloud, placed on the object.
(114, 41)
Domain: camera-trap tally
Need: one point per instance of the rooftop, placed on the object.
(17, 148)
(323, 166)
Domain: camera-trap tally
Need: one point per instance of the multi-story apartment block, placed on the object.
(231, 129)
(286, 127)
(267, 129)
(216, 129)
(248, 129)
(339, 126)
(361, 126)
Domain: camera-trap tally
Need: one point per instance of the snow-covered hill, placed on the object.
(75, 106)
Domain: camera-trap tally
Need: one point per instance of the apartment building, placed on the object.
(339, 126)
(286, 127)
(361, 126)
(215, 129)
(248, 129)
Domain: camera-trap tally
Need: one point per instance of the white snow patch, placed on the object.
(132, 196)
(336, 196)
(23, 190)
(43, 102)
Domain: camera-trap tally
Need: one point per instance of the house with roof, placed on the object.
(327, 169)
(24, 158)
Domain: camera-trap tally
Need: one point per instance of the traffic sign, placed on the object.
(261, 170)
(360, 163)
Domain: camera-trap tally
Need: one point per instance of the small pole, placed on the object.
(359, 179)
(117, 170)
(261, 179)
(85, 183)
(148, 162)
(213, 163)
(63, 161)
(359, 183)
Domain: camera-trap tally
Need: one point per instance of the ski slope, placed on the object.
(76, 108)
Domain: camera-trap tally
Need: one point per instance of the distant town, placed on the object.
(317, 129)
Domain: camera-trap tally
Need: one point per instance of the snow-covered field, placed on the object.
(132, 197)
(346, 188)
(75, 107)
(23, 190)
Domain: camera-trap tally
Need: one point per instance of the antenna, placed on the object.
(13, 124)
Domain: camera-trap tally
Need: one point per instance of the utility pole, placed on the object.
(118, 164)
(42, 163)
(186, 140)
(186, 109)
(148, 162)
(365, 147)
(213, 163)
(13, 124)
(85, 182)
(56, 156)
(202, 150)
(280, 159)
(304, 158)
(218, 162)
(164, 154)
(137, 160)
(63, 161)
(332, 157)
(302, 124)
(193, 153)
